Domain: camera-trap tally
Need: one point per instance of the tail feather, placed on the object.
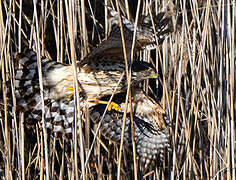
(27, 80)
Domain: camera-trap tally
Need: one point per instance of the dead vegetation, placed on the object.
(196, 87)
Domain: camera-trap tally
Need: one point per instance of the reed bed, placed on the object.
(196, 64)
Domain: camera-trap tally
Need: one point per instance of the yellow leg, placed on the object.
(70, 96)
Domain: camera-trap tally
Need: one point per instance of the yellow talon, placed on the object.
(70, 96)
(155, 75)
(114, 106)
(70, 88)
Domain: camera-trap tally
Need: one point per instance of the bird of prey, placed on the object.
(97, 74)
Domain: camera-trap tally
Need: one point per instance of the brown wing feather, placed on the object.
(145, 36)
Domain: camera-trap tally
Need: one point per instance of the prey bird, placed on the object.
(151, 128)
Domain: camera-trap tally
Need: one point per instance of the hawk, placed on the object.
(98, 73)
(97, 76)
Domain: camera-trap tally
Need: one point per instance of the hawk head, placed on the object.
(143, 70)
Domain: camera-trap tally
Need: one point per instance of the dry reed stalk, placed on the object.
(128, 98)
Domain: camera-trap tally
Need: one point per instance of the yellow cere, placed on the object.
(155, 75)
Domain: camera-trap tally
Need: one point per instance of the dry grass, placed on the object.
(196, 63)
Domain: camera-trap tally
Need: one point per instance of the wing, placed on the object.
(150, 140)
(148, 109)
(145, 36)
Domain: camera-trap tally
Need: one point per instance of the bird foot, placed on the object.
(70, 96)
(111, 106)
(114, 106)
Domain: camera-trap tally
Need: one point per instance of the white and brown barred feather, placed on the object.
(28, 97)
(59, 116)
(151, 125)
(146, 30)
